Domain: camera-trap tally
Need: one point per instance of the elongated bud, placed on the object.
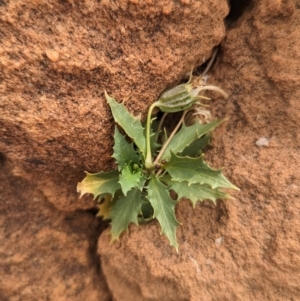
(183, 96)
(177, 99)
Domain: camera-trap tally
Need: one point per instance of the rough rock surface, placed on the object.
(45, 254)
(248, 248)
(58, 57)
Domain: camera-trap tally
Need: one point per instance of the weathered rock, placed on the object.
(247, 248)
(46, 254)
(57, 58)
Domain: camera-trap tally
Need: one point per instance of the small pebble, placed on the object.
(52, 55)
(219, 240)
(263, 141)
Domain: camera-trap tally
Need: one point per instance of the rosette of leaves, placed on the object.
(151, 165)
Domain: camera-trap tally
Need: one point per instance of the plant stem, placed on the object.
(210, 62)
(159, 172)
(170, 138)
(148, 161)
(161, 122)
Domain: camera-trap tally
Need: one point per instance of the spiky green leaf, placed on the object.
(164, 206)
(131, 177)
(125, 211)
(195, 170)
(99, 183)
(124, 152)
(195, 149)
(130, 124)
(187, 135)
(198, 192)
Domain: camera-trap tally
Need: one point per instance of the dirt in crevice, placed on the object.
(237, 9)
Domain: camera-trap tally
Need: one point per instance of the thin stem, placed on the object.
(160, 172)
(148, 161)
(161, 122)
(210, 62)
(170, 138)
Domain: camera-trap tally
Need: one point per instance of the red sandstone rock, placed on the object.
(46, 254)
(57, 59)
(248, 248)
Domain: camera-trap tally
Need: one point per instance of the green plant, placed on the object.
(152, 163)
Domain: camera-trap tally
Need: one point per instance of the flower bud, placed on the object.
(177, 99)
